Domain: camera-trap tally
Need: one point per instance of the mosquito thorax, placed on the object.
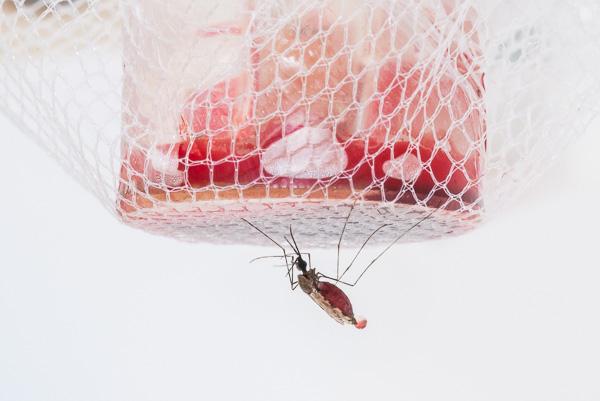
(306, 284)
(308, 281)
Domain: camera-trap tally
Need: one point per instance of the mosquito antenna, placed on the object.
(297, 249)
(396, 240)
(337, 269)
(360, 250)
(291, 245)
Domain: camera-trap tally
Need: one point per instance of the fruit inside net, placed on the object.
(184, 117)
(318, 103)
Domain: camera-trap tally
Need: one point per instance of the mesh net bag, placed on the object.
(183, 117)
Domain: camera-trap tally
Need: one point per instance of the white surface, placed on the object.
(92, 310)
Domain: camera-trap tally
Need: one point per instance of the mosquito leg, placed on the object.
(263, 233)
(360, 250)
(337, 268)
(289, 268)
(336, 280)
(293, 283)
(290, 272)
(267, 257)
(393, 242)
(285, 255)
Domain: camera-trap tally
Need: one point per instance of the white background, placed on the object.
(93, 310)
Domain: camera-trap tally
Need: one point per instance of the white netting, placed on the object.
(184, 116)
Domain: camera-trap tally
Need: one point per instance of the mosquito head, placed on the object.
(301, 264)
(298, 260)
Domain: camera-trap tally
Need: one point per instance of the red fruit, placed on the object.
(438, 172)
(220, 145)
(433, 124)
(217, 155)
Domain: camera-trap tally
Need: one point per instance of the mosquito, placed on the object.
(322, 289)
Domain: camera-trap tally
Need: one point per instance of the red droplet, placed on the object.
(361, 324)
